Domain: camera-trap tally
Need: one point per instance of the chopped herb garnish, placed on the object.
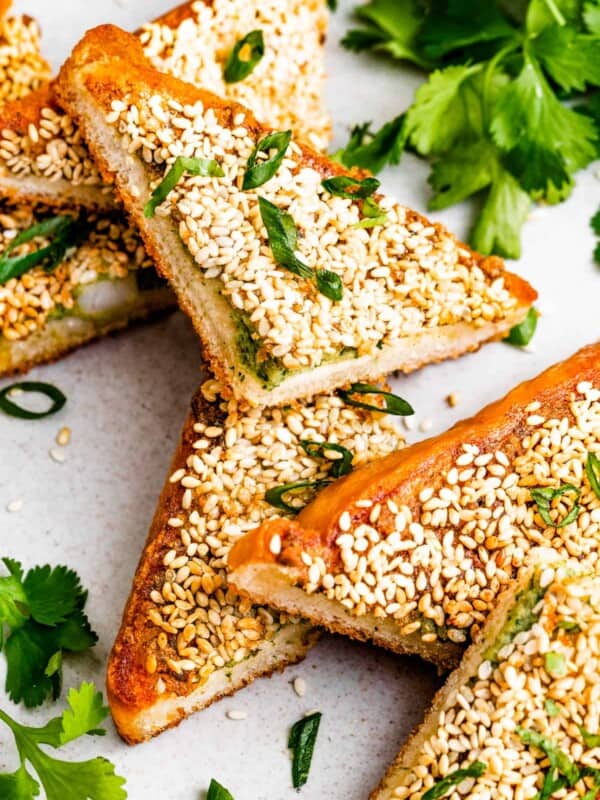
(568, 625)
(62, 780)
(340, 466)
(218, 792)
(393, 404)
(258, 173)
(276, 495)
(244, 57)
(558, 760)
(373, 151)
(543, 498)
(351, 188)
(595, 223)
(302, 742)
(43, 611)
(443, 786)
(590, 739)
(283, 237)
(8, 405)
(522, 334)
(373, 215)
(552, 708)
(332, 5)
(489, 116)
(556, 664)
(205, 167)
(592, 470)
(63, 232)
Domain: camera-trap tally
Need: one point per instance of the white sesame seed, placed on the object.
(236, 714)
(15, 505)
(275, 544)
(300, 686)
(57, 455)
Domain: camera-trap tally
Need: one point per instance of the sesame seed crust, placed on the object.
(38, 141)
(183, 623)
(424, 541)
(22, 68)
(111, 250)
(284, 90)
(496, 692)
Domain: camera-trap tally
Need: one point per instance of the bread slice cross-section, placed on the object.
(43, 156)
(357, 295)
(186, 637)
(412, 550)
(518, 718)
(102, 282)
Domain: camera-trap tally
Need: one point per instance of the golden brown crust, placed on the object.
(402, 475)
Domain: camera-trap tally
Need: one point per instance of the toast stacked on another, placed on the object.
(413, 550)
(186, 638)
(293, 288)
(519, 717)
(43, 159)
(22, 67)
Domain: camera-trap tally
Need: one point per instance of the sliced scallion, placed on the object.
(543, 497)
(244, 57)
(339, 466)
(303, 737)
(8, 405)
(276, 495)
(393, 404)
(205, 167)
(351, 188)
(592, 470)
(441, 787)
(62, 231)
(259, 173)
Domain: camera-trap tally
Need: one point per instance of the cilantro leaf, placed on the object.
(94, 779)
(373, 151)
(391, 26)
(595, 222)
(591, 17)
(437, 118)
(498, 227)
(43, 611)
(571, 59)
(545, 141)
(458, 24)
(464, 171)
(542, 13)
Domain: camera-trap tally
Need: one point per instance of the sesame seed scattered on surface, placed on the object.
(426, 424)
(63, 437)
(453, 399)
(236, 714)
(300, 686)
(201, 624)
(57, 454)
(439, 562)
(479, 719)
(15, 505)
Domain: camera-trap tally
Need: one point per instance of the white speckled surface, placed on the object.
(127, 400)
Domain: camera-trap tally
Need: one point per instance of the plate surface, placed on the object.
(127, 398)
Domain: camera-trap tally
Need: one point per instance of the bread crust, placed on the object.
(131, 690)
(401, 475)
(96, 75)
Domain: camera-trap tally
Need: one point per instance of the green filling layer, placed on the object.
(521, 617)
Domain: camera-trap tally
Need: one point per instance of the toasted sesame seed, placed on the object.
(63, 437)
(453, 399)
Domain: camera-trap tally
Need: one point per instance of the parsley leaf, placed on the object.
(571, 59)
(43, 611)
(62, 780)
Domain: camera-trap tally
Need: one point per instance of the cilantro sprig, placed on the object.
(489, 117)
(42, 611)
(94, 779)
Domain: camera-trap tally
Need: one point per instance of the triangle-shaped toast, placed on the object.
(521, 697)
(43, 156)
(412, 550)
(186, 638)
(292, 288)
